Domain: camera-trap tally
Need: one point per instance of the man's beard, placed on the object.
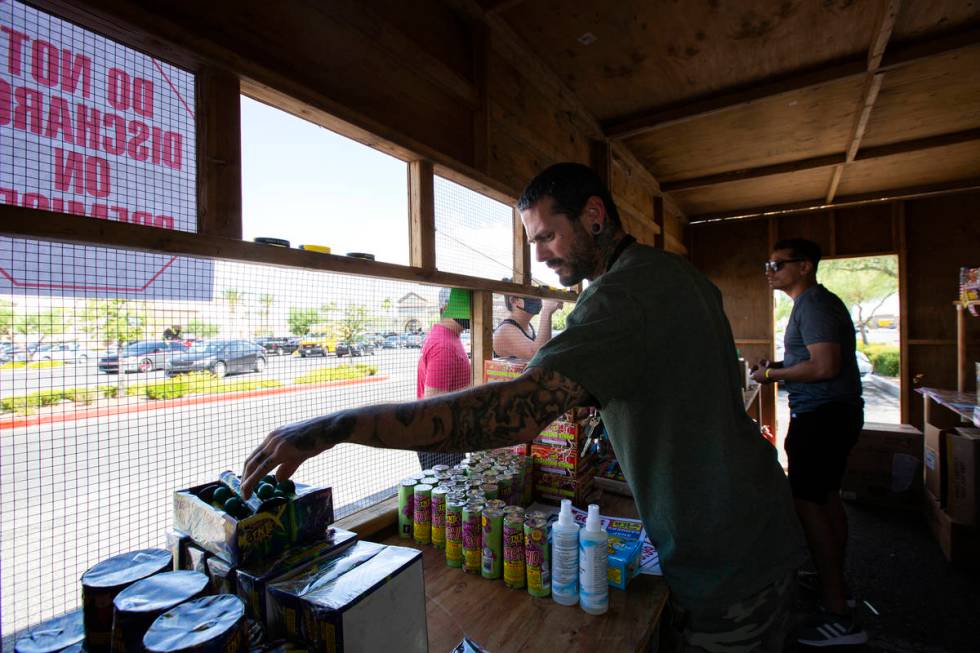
(580, 262)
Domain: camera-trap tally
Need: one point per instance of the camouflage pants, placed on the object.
(760, 622)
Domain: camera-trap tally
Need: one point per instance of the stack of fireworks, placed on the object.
(474, 512)
(565, 461)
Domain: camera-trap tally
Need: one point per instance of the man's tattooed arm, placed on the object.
(483, 417)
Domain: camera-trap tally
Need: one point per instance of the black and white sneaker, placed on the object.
(809, 584)
(829, 629)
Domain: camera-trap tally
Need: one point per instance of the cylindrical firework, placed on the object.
(406, 507)
(454, 532)
(472, 537)
(439, 517)
(423, 514)
(505, 487)
(490, 490)
(536, 557)
(496, 504)
(493, 543)
(430, 480)
(514, 510)
(440, 468)
(476, 495)
(514, 574)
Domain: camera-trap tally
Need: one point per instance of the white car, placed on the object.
(66, 352)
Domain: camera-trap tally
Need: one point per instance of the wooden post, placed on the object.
(522, 252)
(905, 379)
(602, 162)
(422, 219)
(960, 348)
(219, 154)
(481, 330)
(481, 114)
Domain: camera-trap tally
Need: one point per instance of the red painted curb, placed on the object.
(21, 422)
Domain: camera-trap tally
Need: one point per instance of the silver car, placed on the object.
(142, 356)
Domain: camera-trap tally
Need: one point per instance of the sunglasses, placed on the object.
(776, 266)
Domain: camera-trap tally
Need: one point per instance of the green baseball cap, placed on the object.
(456, 302)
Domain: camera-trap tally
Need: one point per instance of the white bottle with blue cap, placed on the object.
(593, 558)
(564, 557)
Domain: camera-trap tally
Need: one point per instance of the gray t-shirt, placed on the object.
(820, 316)
(649, 340)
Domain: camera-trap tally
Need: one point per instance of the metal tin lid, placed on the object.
(409, 482)
(194, 623)
(440, 490)
(54, 635)
(275, 242)
(363, 255)
(161, 592)
(127, 568)
(423, 487)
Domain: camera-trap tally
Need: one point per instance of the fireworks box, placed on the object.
(502, 369)
(279, 524)
(366, 598)
(252, 581)
(562, 460)
(625, 546)
(963, 480)
(885, 466)
(563, 432)
(553, 488)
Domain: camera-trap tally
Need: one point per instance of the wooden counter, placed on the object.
(501, 619)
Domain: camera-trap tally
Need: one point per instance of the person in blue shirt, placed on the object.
(819, 371)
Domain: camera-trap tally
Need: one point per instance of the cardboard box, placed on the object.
(366, 598)
(960, 543)
(962, 480)
(299, 520)
(625, 548)
(251, 582)
(885, 466)
(934, 461)
(502, 369)
(552, 488)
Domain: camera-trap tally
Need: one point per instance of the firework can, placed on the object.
(430, 480)
(535, 514)
(428, 472)
(490, 490)
(439, 517)
(454, 532)
(536, 557)
(514, 574)
(406, 507)
(422, 526)
(493, 543)
(505, 487)
(476, 495)
(418, 476)
(440, 468)
(496, 504)
(472, 537)
(514, 510)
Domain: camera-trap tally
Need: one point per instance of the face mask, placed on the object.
(532, 305)
(463, 322)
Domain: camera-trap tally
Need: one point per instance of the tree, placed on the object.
(203, 329)
(559, 317)
(233, 297)
(354, 323)
(861, 282)
(6, 319)
(113, 321)
(45, 323)
(301, 319)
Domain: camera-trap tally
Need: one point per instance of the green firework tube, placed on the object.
(472, 537)
(422, 526)
(514, 573)
(493, 543)
(439, 517)
(454, 532)
(536, 557)
(406, 507)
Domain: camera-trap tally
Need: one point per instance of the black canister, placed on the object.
(138, 606)
(213, 624)
(104, 581)
(53, 635)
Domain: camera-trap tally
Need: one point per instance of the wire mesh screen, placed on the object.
(112, 398)
(473, 232)
(308, 185)
(91, 127)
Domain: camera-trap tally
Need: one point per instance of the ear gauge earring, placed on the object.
(596, 228)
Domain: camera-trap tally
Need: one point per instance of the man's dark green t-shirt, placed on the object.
(649, 340)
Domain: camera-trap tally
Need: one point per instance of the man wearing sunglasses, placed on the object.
(821, 376)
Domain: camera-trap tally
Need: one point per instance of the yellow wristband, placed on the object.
(768, 369)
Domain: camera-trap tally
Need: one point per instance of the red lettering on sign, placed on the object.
(100, 211)
(14, 49)
(59, 119)
(173, 149)
(118, 92)
(44, 63)
(75, 67)
(74, 207)
(67, 169)
(137, 151)
(34, 201)
(143, 97)
(115, 143)
(28, 107)
(86, 126)
(97, 182)
(5, 102)
(165, 221)
(8, 196)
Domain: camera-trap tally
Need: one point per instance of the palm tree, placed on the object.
(266, 301)
(233, 297)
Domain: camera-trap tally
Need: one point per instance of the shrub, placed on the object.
(886, 363)
(83, 396)
(109, 391)
(338, 373)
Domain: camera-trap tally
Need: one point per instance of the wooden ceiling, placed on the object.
(742, 107)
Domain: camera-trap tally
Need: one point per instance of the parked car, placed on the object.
(220, 357)
(67, 352)
(864, 363)
(316, 344)
(414, 340)
(352, 349)
(392, 342)
(278, 346)
(375, 339)
(142, 356)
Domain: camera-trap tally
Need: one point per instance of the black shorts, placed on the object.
(817, 446)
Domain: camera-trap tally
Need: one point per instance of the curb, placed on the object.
(884, 385)
(37, 420)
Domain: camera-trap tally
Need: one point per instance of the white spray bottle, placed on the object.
(564, 556)
(593, 557)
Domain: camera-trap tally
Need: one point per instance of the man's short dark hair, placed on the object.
(801, 248)
(570, 185)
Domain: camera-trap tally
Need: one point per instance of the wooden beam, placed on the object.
(481, 113)
(602, 161)
(658, 220)
(869, 97)
(422, 220)
(217, 118)
(19, 222)
(481, 332)
(740, 96)
(522, 252)
(902, 147)
(883, 33)
(875, 197)
(905, 374)
(498, 6)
